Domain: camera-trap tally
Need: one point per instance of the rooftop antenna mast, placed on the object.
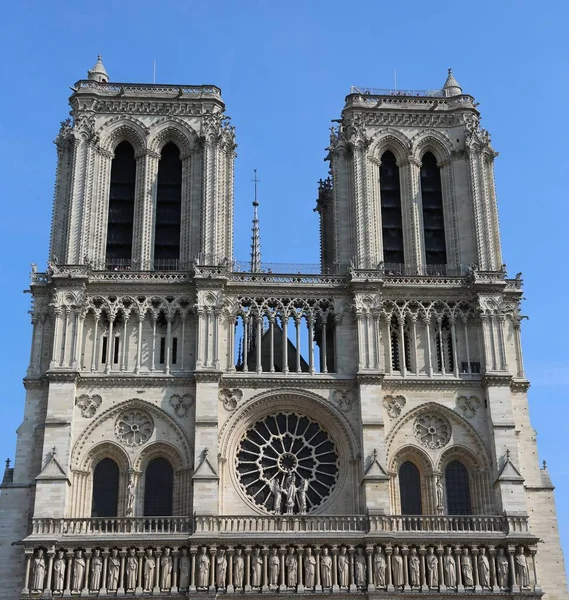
(256, 238)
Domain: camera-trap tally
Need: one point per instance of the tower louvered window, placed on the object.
(168, 208)
(391, 221)
(121, 207)
(433, 217)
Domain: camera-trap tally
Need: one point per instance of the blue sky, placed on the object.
(284, 69)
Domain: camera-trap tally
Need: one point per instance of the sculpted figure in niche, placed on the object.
(290, 490)
(274, 568)
(432, 568)
(483, 569)
(130, 496)
(326, 568)
(302, 490)
(96, 570)
(360, 568)
(256, 568)
(414, 569)
(184, 570)
(291, 568)
(220, 568)
(467, 578)
(440, 494)
(397, 568)
(113, 566)
(277, 492)
(131, 569)
(522, 570)
(343, 568)
(503, 569)
(38, 572)
(78, 571)
(166, 570)
(203, 568)
(449, 568)
(309, 568)
(238, 568)
(149, 568)
(58, 572)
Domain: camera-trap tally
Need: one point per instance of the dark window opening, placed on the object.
(410, 489)
(391, 220)
(474, 367)
(174, 350)
(158, 488)
(168, 208)
(445, 348)
(433, 216)
(458, 489)
(116, 351)
(121, 207)
(395, 363)
(105, 489)
(104, 350)
(162, 350)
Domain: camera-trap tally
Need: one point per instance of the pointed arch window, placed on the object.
(158, 488)
(410, 489)
(391, 220)
(121, 207)
(433, 216)
(395, 344)
(105, 489)
(444, 348)
(168, 208)
(457, 489)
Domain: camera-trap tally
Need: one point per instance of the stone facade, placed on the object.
(298, 416)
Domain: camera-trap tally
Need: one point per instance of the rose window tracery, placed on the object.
(432, 431)
(287, 464)
(134, 427)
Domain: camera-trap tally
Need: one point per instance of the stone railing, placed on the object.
(113, 569)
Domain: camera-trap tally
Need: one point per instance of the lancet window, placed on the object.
(410, 489)
(105, 489)
(121, 207)
(433, 216)
(457, 489)
(391, 221)
(444, 347)
(158, 488)
(168, 208)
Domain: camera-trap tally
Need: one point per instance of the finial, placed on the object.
(508, 453)
(374, 454)
(53, 452)
(544, 465)
(8, 463)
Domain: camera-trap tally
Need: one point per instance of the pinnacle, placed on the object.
(98, 72)
(451, 86)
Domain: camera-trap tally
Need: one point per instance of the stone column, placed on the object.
(85, 591)
(265, 581)
(388, 572)
(282, 552)
(50, 556)
(511, 552)
(457, 554)
(193, 552)
(105, 555)
(230, 587)
(69, 555)
(157, 555)
(95, 343)
(56, 350)
(335, 586)
(120, 590)
(143, 226)
(247, 568)
(28, 554)
(424, 583)
(369, 552)
(440, 551)
(536, 584)
(140, 554)
(492, 561)
(300, 587)
(405, 554)
(212, 554)
(317, 583)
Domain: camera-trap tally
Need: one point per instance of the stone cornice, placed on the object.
(428, 383)
(496, 380)
(35, 384)
(207, 376)
(63, 377)
(278, 381)
(134, 381)
(519, 386)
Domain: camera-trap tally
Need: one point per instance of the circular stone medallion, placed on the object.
(432, 431)
(134, 427)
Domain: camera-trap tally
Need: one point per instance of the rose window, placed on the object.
(432, 431)
(134, 427)
(287, 464)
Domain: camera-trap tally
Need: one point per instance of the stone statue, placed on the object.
(309, 568)
(503, 569)
(414, 569)
(432, 568)
(78, 571)
(522, 570)
(397, 568)
(166, 570)
(483, 569)
(203, 568)
(291, 568)
(439, 487)
(343, 568)
(302, 490)
(113, 566)
(59, 572)
(184, 582)
(220, 568)
(131, 569)
(130, 495)
(238, 568)
(274, 568)
(96, 570)
(277, 492)
(149, 568)
(360, 572)
(290, 491)
(467, 578)
(379, 566)
(38, 572)
(449, 568)
(256, 568)
(326, 568)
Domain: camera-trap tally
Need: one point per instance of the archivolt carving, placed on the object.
(434, 141)
(160, 450)
(106, 449)
(389, 139)
(414, 454)
(172, 129)
(472, 461)
(123, 128)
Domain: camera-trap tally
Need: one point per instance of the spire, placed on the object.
(451, 86)
(98, 72)
(256, 238)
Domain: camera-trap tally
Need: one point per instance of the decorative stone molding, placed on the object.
(394, 405)
(181, 404)
(432, 431)
(230, 398)
(138, 382)
(344, 399)
(468, 405)
(134, 427)
(88, 404)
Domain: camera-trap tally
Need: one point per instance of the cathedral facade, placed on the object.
(194, 426)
